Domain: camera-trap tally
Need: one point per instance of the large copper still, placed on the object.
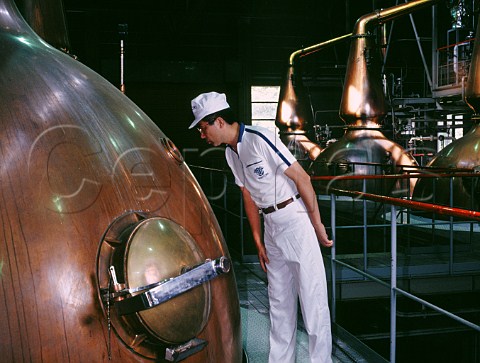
(463, 153)
(293, 117)
(103, 224)
(364, 149)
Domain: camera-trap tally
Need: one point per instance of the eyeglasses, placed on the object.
(203, 128)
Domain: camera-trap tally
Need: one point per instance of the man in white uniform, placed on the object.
(273, 183)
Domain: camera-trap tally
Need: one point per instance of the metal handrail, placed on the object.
(394, 290)
(394, 203)
(439, 209)
(405, 167)
(411, 175)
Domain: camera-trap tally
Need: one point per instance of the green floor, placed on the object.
(254, 306)
(255, 330)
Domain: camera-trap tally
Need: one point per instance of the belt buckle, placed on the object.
(280, 205)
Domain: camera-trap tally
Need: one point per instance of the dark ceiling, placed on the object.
(177, 49)
(229, 34)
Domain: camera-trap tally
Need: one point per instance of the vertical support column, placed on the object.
(422, 56)
(242, 245)
(365, 224)
(434, 50)
(450, 260)
(333, 260)
(393, 285)
(122, 32)
(225, 208)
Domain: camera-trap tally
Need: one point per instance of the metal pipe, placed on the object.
(430, 138)
(439, 209)
(394, 176)
(381, 16)
(315, 48)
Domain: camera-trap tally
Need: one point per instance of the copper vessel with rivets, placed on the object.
(98, 211)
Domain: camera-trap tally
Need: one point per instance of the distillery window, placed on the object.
(264, 106)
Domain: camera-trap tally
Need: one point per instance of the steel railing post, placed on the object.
(365, 224)
(393, 285)
(333, 254)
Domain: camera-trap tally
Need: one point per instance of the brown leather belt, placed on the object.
(280, 205)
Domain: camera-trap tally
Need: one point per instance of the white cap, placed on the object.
(206, 104)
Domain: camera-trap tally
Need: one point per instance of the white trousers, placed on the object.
(295, 271)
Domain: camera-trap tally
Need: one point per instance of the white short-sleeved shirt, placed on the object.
(259, 165)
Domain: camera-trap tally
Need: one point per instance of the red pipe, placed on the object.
(459, 43)
(409, 166)
(393, 176)
(439, 209)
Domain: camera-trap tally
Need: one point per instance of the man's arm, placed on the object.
(305, 189)
(251, 210)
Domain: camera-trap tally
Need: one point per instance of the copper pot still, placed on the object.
(364, 149)
(110, 250)
(293, 117)
(460, 154)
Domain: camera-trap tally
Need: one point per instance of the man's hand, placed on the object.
(306, 191)
(326, 243)
(262, 257)
(322, 236)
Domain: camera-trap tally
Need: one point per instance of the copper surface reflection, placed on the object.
(76, 155)
(157, 250)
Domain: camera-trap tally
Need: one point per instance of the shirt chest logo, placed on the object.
(259, 171)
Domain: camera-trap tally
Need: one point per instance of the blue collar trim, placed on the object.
(241, 131)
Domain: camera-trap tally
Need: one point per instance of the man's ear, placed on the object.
(221, 121)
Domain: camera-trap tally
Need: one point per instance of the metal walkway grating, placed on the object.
(252, 289)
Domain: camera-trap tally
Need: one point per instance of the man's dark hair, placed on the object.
(226, 114)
